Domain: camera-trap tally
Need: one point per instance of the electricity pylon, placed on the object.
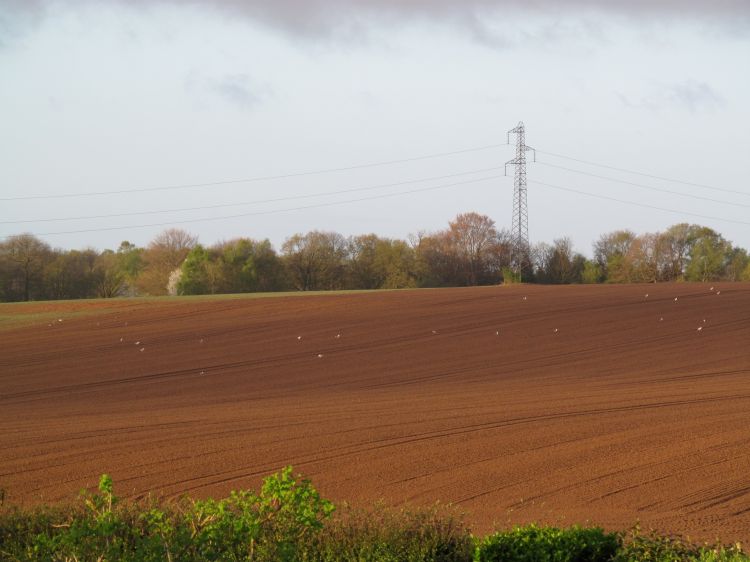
(520, 253)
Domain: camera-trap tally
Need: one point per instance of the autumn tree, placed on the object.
(164, 255)
(475, 242)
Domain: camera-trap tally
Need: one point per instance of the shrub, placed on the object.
(637, 547)
(384, 534)
(548, 544)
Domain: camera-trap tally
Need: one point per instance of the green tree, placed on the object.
(609, 253)
(591, 272)
(72, 275)
(109, 275)
(131, 263)
(25, 257)
(196, 278)
(249, 266)
(316, 260)
(708, 256)
(380, 263)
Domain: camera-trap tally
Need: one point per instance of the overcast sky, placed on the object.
(114, 96)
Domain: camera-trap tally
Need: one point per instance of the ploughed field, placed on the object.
(574, 404)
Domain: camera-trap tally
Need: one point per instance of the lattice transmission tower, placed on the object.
(520, 253)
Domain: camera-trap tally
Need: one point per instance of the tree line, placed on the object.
(471, 251)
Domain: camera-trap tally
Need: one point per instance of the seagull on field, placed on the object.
(143, 349)
(137, 343)
(320, 355)
(675, 299)
(299, 338)
(555, 330)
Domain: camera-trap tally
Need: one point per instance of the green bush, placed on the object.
(288, 521)
(548, 544)
(272, 526)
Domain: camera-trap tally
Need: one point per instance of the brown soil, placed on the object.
(556, 404)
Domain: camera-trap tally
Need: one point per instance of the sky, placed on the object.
(260, 119)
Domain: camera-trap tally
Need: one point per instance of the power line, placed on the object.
(257, 213)
(652, 176)
(679, 193)
(636, 204)
(252, 179)
(257, 202)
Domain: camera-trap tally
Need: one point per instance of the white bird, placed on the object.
(338, 336)
(524, 298)
(59, 319)
(434, 332)
(704, 320)
(646, 295)
(700, 328)
(203, 372)
(718, 292)
(143, 349)
(201, 340)
(120, 339)
(320, 355)
(497, 333)
(555, 330)
(711, 289)
(675, 299)
(137, 343)
(661, 319)
(299, 337)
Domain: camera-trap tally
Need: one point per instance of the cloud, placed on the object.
(695, 95)
(239, 90)
(326, 15)
(690, 94)
(336, 18)
(236, 89)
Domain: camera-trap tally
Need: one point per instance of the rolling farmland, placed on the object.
(569, 404)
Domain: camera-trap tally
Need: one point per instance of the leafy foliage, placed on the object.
(289, 521)
(548, 544)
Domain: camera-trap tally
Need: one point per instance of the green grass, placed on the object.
(289, 521)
